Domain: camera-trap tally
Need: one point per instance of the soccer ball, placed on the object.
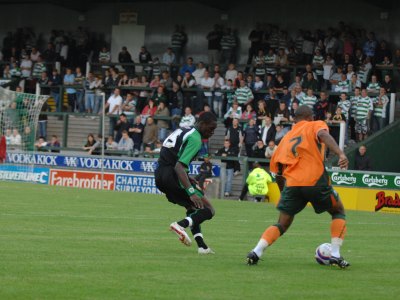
(323, 253)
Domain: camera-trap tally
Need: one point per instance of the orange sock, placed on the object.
(338, 228)
(271, 234)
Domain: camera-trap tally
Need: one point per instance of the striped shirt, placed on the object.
(373, 87)
(353, 106)
(318, 60)
(259, 65)
(228, 42)
(342, 86)
(363, 108)
(104, 56)
(345, 106)
(309, 101)
(177, 40)
(270, 61)
(380, 109)
(38, 69)
(243, 94)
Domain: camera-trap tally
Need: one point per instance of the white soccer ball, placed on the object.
(323, 253)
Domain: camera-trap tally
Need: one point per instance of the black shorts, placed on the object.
(167, 182)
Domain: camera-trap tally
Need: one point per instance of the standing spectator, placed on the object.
(149, 110)
(188, 82)
(250, 136)
(175, 102)
(345, 105)
(43, 120)
(49, 55)
(188, 119)
(228, 151)
(104, 57)
(55, 81)
(362, 161)
(259, 63)
(207, 84)
(145, 58)
(218, 95)
(38, 68)
(235, 136)
(231, 73)
(271, 61)
(262, 113)
(79, 81)
(129, 105)
(214, 39)
(353, 113)
(373, 86)
(282, 113)
(90, 86)
(388, 84)
(362, 115)
(113, 104)
(249, 113)
(310, 100)
(228, 45)
(150, 133)
(136, 133)
(255, 38)
(168, 57)
(125, 143)
(178, 42)
(124, 57)
(162, 124)
(69, 79)
(379, 116)
(369, 47)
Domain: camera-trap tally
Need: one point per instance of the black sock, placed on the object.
(200, 242)
(183, 223)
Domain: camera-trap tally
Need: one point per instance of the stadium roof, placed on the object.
(222, 5)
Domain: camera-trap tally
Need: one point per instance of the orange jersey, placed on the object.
(301, 154)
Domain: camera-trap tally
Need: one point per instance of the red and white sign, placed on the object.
(81, 179)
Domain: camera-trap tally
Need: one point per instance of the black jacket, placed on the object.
(230, 152)
(362, 163)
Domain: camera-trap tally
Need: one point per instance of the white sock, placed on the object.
(261, 246)
(336, 244)
(190, 221)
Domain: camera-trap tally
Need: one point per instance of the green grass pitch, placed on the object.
(60, 243)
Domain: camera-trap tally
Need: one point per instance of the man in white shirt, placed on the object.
(114, 104)
(270, 149)
(207, 84)
(188, 119)
(26, 66)
(198, 74)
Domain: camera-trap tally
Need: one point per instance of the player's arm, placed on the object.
(328, 140)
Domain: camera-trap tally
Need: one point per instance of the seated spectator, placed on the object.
(188, 119)
(310, 82)
(362, 161)
(121, 125)
(166, 80)
(343, 85)
(125, 143)
(150, 133)
(162, 124)
(268, 131)
(354, 83)
(149, 110)
(157, 149)
(41, 144)
(111, 144)
(280, 133)
(282, 113)
(198, 74)
(98, 145)
(205, 171)
(310, 100)
(374, 85)
(89, 142)
(270, 149)
(231, 73)
(148, 152)
(15, 139)
(321, 107)
(262, 113)
(54, 144)
(159, 95)
(259, 151)
(8, 135)
(136, 133)
(188, 67)
(129, 105)
(155, 83)
(249, 113)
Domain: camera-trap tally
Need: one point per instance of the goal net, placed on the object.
(19, 117)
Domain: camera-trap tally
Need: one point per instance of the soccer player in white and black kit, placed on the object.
(171, 176)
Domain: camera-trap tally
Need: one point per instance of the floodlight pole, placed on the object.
(103, 97)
